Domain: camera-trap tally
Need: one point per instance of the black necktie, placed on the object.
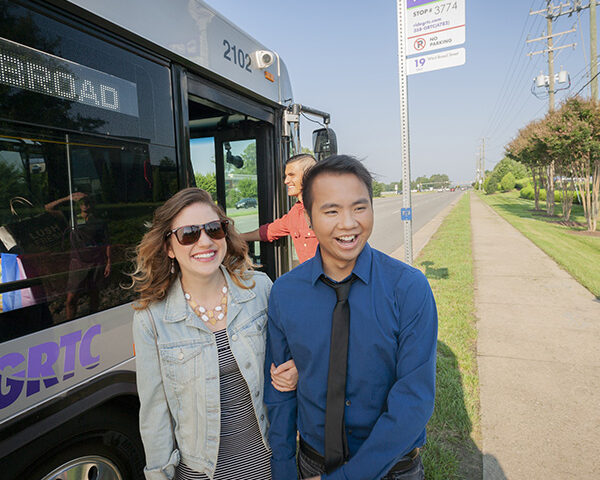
(336, 448)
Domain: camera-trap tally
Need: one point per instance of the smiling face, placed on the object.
(342, 219)
(293, 178)
(202, 259)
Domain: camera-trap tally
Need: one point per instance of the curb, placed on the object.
(422, 237)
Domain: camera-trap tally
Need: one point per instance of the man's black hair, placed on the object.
(337, 165)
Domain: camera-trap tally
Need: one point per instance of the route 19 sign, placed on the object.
(434, 24)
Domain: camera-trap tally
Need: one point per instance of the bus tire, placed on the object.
(105, 441)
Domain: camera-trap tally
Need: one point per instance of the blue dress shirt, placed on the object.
(390, 386)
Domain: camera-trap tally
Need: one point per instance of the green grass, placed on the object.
(577, 254)
(451, 451)
(233, 212)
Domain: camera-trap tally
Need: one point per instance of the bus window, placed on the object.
(241, 192)
(223, 154)
(69, 214)
(202, 152)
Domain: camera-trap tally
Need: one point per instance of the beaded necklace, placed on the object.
(213, 315)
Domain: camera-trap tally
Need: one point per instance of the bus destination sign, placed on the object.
(434, 24)
(30, 69)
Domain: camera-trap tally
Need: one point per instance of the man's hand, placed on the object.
(285, 377)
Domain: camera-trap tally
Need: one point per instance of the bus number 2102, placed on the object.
(237, 56)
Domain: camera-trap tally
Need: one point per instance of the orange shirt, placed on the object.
(292, 223)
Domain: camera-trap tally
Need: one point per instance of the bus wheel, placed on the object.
(93, 467)
(104, 448)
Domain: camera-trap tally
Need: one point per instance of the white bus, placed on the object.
(107, 108)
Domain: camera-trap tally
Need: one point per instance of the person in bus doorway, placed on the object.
(362, 329)
(294, 222)
(90, 262)
(199, 330)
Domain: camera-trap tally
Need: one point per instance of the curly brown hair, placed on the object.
(152, 277)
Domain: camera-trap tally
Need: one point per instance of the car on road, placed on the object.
(247, 203)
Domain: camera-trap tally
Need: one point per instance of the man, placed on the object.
(90, 262)
(369, 422)
(294, 222)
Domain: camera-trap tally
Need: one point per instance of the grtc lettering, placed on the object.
(40, 363)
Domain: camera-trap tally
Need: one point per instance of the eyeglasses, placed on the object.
(190, 234)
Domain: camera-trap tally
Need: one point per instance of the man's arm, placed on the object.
(411, 398)
(253, 236)
(281, 406)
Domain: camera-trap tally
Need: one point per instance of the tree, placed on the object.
(577, 144)
(528, 149)
(490, 185)
(377, 188)
(508, 182)
(207, 182)
(439, 180)
(247, 188)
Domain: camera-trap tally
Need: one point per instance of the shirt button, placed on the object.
(247, 365)
(180, 355)
(257, 393)
(348, 403)
(262, 417)
(234, 337)
(349, 432)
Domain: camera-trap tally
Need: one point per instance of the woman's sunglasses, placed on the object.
(190, 234)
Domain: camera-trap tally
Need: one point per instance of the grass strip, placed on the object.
(451, 451)
(570, 247)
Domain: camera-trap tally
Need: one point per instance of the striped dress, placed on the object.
(242, 453)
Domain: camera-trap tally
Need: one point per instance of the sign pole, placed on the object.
(405, 151)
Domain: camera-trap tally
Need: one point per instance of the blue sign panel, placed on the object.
(406, 213)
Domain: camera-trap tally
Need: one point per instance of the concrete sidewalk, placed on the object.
(539, 358)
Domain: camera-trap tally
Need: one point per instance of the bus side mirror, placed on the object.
(324, 143)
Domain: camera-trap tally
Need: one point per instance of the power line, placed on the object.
(590, 81)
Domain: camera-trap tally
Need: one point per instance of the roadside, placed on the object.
(422, 236)
(451, 452)
(571, 246)
(539, 364)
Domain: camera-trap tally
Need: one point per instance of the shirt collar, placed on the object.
(362, 268)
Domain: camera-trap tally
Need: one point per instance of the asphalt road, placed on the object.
(388, 231)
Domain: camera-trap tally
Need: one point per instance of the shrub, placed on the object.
(490, 185)
(521, 183)
(527, 192)
(508, 182)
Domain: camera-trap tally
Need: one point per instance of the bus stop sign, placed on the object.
(434, 24)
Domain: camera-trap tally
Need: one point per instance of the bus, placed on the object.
(107, 108)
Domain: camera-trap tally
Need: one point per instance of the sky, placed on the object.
(342, 57)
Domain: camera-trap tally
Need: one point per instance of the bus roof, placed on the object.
(193, 30)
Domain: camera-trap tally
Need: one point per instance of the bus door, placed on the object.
(233, 157)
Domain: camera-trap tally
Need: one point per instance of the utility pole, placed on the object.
(549, 19)
(483, 155)
(551, 12)
(593, 53)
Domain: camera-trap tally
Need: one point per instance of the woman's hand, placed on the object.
(285, 377)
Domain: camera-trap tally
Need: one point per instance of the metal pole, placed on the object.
(405, 151)
(70, 182)
(550, 58)
(593, 52)
(483, 154)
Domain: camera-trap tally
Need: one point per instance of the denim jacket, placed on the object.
(180, 412)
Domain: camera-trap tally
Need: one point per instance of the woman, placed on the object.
(199, 332)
